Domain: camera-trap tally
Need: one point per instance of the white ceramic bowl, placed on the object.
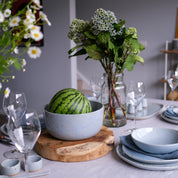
(75, 126)
(156, 140)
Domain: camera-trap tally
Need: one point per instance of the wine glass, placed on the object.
(24, 133)
(14, 106)
(96, 84)
(172, 81)
(135, 95)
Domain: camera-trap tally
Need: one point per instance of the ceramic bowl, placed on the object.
(156, 140)
(75, 126)
(34, 163)
(10, 167)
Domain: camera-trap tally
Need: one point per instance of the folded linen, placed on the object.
(127, 141)
(170, 112)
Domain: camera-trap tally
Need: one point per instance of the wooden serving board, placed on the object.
(75, 151)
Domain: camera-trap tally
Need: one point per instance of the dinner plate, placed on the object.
(152, 167)
(175, 110)
(168, 119)
(170, 116)
(151, 110)
(145, 158)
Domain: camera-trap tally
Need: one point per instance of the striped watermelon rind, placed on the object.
(69, 101)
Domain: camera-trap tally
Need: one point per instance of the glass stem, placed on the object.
(135, 117)
(25, 163)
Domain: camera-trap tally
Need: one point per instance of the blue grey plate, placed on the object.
(145, 158)
(168, 119)
(147, 166)
(148, 112)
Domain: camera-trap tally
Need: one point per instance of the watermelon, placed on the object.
(69, 101)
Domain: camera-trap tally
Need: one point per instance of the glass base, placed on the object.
(118, 123)
(13, 154)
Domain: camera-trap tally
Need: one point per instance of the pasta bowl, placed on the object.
(156, 140)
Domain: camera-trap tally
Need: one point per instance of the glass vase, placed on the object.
(113, 97)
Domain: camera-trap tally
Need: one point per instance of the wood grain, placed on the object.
(75, 151)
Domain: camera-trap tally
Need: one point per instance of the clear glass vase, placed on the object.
(114, 115)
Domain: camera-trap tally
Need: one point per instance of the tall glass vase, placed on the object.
(114, 99)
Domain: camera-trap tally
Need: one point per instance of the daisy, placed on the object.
(34, 52)
(45, 18)
(1, 17)
(0, 85)
(37, 3)
(7, 13)
(35, 27)
(14, 21)
(36, 35)
(7, 92)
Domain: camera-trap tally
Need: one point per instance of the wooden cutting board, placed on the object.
(75, 151)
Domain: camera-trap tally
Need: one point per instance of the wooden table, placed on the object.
(109, 165)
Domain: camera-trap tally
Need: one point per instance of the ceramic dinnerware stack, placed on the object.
(150, 148)
(170, 115)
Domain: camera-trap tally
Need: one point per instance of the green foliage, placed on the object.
(106, 40)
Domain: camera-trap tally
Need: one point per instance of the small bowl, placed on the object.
(34, 163)
(75, 126)
(156, 140)
(10, 167)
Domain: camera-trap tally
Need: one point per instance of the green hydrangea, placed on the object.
(77, 29)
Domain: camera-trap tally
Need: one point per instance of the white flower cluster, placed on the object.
(104, 21)
(24, 25)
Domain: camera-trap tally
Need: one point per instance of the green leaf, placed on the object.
(94, 52)
(80, 52)
(104, 37)
(73, 49)
(131, 61)
(17, 64)
(90, 35)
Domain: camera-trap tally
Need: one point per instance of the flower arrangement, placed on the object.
(21, 28)
(105, 39)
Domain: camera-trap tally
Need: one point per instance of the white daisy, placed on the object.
(7, 13)
(35, 27)
(34, 52)
(0, 85)
(14, 21)
(27, 35)
(36, 35)
(45, 18)
(7, 92)
(1, 17)
(37, 3)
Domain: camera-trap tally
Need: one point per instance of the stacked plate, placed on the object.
(143, 147)
(170, 115)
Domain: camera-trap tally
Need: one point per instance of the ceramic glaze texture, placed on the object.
(156, 140)
(75, 126)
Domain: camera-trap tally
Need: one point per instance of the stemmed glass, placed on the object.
(135, 95)
(24, 133)
(96, 84)
(14, 105)
(172, 81)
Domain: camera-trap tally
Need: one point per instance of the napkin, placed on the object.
(127, 141)
(170, 112)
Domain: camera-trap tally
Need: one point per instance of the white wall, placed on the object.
(155, 21)
(52, 71)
